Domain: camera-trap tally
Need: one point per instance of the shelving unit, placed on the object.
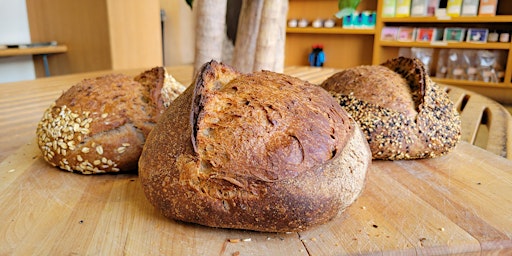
(336, 30)
(343, 47)
(501, 91)
(351, 47)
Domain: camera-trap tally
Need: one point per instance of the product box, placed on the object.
(487, 7)
(470, 7)
(406, 34)
(389, 34)
(403, 8)
(419, 7)
(454, 34)
(477, 35)
(453, 8)
(432, 7)
(388, 8)
(347, 21)
(429, 34)
(369, 19)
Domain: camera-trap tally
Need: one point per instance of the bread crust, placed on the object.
(261, 151)
(99, 125)
(402, 112)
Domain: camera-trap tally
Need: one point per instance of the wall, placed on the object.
(14, 29)
(178, 32)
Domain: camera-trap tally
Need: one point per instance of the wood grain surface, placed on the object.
(458, 203)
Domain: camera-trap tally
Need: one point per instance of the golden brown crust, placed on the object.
(429, 126)
(99, 125)
(264, 151)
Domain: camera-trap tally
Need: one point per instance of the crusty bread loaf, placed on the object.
(402, 112)
(261, 151)
(99, 125)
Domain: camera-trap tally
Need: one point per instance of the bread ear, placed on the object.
(414, 72)
(211, 77)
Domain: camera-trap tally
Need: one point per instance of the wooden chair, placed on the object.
(485, 123)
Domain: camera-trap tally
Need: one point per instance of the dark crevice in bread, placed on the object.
(414, 73)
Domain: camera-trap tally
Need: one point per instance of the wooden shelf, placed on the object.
(462, 19)
(334, 30)
(469, 83)
(33, 50)
(456, 45)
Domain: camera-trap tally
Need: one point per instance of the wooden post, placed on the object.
(271, 36)
(210, 30)
(247, 33)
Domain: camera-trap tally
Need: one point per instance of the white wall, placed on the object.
(178, 33)
(14, 29)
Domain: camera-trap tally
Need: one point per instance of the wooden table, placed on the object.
(459, 203)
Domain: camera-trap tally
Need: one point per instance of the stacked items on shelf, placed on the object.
(462, 64)
(448, 34)
(364, 19)
(357, 20)
(317, 23)
(472, 65)
(450, 8)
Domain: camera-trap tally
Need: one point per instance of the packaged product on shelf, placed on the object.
(454, 34)
(470, 64)
(500, 65)
(429, 34)
(442, 64)
(425, 55)
(456, 65)
(389, 34)
(488, 7)
(477, 35)
(403, 8)
(493, 37)
(432, 7)
(504, 37)
(406, 34)
(419, 7)
(388, 8)
(453, 8)
(469, 8)
(487, 60)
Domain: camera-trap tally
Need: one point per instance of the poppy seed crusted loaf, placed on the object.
(261, 151)
(402, 112)
(99, 125)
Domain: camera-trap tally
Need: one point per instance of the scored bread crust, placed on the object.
(402, 112)
(261, 151)
(100, 124)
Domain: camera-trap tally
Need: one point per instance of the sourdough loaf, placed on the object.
(99, 125)
(261, 151)
(402, 112)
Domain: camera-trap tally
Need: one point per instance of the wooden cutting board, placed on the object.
(459, 203)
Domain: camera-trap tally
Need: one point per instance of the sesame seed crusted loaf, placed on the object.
(99, 125)
(403, 113)
(261, 151)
